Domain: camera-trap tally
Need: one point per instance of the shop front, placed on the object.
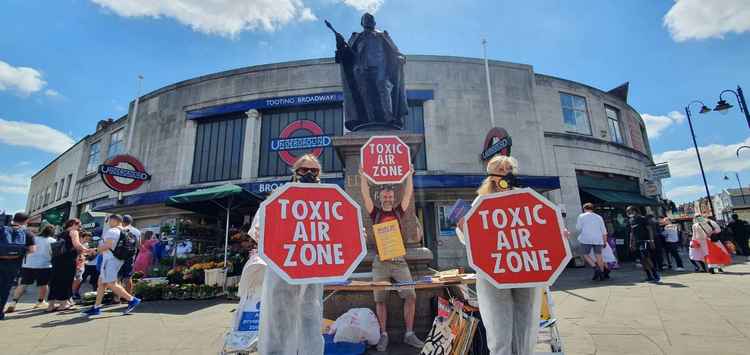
(611, 194)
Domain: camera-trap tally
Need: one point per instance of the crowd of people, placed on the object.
(656, 242)
(59, 263)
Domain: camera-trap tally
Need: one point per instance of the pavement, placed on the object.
(688, 313)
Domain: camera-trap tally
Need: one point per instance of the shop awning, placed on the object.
(206, 201)
(620, 197)
(216, 201)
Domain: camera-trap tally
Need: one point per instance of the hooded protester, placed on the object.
(291, 315)
(511, 316)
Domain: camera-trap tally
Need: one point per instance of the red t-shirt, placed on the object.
(379, 216)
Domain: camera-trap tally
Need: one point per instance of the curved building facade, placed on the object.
(574, 142)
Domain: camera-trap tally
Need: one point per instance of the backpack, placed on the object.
(13, 242)
(126, 245)
(59, 247)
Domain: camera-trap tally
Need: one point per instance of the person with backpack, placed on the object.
(117, 245)
(36, 267)
(64, 254)
(15, 242)
(126, 271)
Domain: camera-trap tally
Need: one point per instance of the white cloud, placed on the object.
(15, 184)
(370, 6)
(22, 79)
(34, 135)
(221, 17)
(687, 192)
(52, 93)
(715, 157)
(655, 125)
(701, 19)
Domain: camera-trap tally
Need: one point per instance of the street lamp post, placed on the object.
(723, 106)
(703, 109)
(739, 184)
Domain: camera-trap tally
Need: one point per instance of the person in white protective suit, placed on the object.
(511, 316)
(291, 315)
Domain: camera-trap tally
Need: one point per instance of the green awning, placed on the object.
(206, 201)
(620, 197)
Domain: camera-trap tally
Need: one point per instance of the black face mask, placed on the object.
(506, 181)
(308, 178)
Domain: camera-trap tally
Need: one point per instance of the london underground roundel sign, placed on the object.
(123, 173)
(385, 160)
(515, 239)
(301, 135)
(311, 233)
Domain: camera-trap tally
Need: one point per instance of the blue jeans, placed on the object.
(8, 271)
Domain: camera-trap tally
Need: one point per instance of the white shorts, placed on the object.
(110, 267)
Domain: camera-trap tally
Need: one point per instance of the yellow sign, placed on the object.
(388, 239)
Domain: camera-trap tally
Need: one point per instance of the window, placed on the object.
(613, 121)
(59, 186)
(94, 150)
(116, 143)
(646, 144)
(67, 185)
(218, 149)
(575, 116)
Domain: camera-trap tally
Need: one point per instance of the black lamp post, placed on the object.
(723, 106)
(739, 184)
(704, 109)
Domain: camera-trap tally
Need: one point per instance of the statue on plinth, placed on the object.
(372, 74)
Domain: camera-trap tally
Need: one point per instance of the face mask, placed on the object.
(700, 219)
(506, 181)
(308, 178)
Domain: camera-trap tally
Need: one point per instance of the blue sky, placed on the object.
(66, 64)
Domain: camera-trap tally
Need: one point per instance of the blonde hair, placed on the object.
(493, 165)
(304, 158)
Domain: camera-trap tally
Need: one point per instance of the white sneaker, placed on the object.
(411, 339)
(382, 343)
(42, 304)
(679, 269)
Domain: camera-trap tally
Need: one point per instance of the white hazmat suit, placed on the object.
(290, 316)
(511, 316)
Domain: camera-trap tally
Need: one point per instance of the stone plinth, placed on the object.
(348, 148)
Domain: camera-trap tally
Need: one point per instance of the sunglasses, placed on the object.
(304, 171)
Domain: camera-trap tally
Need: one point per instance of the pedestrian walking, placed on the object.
(64, 257)
(116, 246)
(739, 229)
(15, 243)
(126, 271)
(593, 237)
(671, 236)
(642, 242)
(36, 268)
(145, 253)
(89, 267)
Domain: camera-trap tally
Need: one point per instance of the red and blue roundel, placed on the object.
(302, 135)
(123, 173)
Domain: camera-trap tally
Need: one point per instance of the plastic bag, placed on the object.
(355, 326)
(244, 333)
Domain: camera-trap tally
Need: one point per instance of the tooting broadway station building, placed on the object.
(575, 143)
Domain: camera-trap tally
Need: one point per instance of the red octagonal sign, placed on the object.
(385, 159)
(311, 233)
(515, 239)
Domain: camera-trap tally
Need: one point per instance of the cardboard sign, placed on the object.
(385, 160)
(311, 233)
(515, 239)
(389, 241)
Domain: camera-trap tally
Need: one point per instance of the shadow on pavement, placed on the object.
(179, 307)
(626, 275)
